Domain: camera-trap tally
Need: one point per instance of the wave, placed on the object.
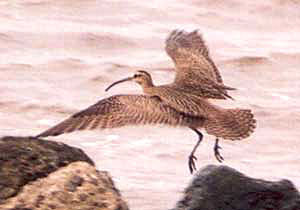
(249, 60)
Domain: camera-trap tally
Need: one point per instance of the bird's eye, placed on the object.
(135, 76)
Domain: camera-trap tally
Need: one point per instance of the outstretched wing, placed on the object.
(190, 53)
(194, 67)
(117, 111)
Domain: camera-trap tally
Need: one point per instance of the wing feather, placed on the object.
(121, 110)
(189, 50)
(185, 102)
(194, 67)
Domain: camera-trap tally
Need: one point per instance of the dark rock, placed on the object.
(25, 159)
(221, 187)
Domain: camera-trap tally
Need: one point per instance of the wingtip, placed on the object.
(46, 134)
(38, 136)
(230, 88)
(228, 96)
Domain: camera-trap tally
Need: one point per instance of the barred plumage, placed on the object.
(195, 70)
(122, 110)
(233, 124)
(181, 103)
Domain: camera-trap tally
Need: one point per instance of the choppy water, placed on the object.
(57, 57)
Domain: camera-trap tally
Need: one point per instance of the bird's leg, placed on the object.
(216, 150)
(192, 157)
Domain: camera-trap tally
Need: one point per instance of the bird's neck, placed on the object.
(147, 87)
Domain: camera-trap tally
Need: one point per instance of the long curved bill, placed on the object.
(117, 82)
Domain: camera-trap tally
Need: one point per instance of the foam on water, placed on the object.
(46, 122)
(144, 142)
(112, 137)
(281, 96)
(90, 143)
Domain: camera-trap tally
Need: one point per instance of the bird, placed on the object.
(184, 102)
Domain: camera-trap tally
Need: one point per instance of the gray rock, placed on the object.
(223, 188)
(37, 174)
(78, 186)
(25, 159)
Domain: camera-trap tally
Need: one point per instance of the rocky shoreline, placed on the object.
(42, 174)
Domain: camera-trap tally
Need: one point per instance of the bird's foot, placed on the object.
(217, 153)
(192, 164)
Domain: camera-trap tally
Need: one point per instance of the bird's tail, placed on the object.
(232, 124)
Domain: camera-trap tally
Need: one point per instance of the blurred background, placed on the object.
(57, 57)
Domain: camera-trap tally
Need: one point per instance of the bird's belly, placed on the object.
(193, 121)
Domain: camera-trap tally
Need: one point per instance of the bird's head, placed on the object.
(141, 77)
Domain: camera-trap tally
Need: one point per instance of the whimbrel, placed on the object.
(181, 103)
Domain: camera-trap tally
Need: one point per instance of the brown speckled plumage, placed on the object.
(195, 70)
(122, 110)
(181, 103)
